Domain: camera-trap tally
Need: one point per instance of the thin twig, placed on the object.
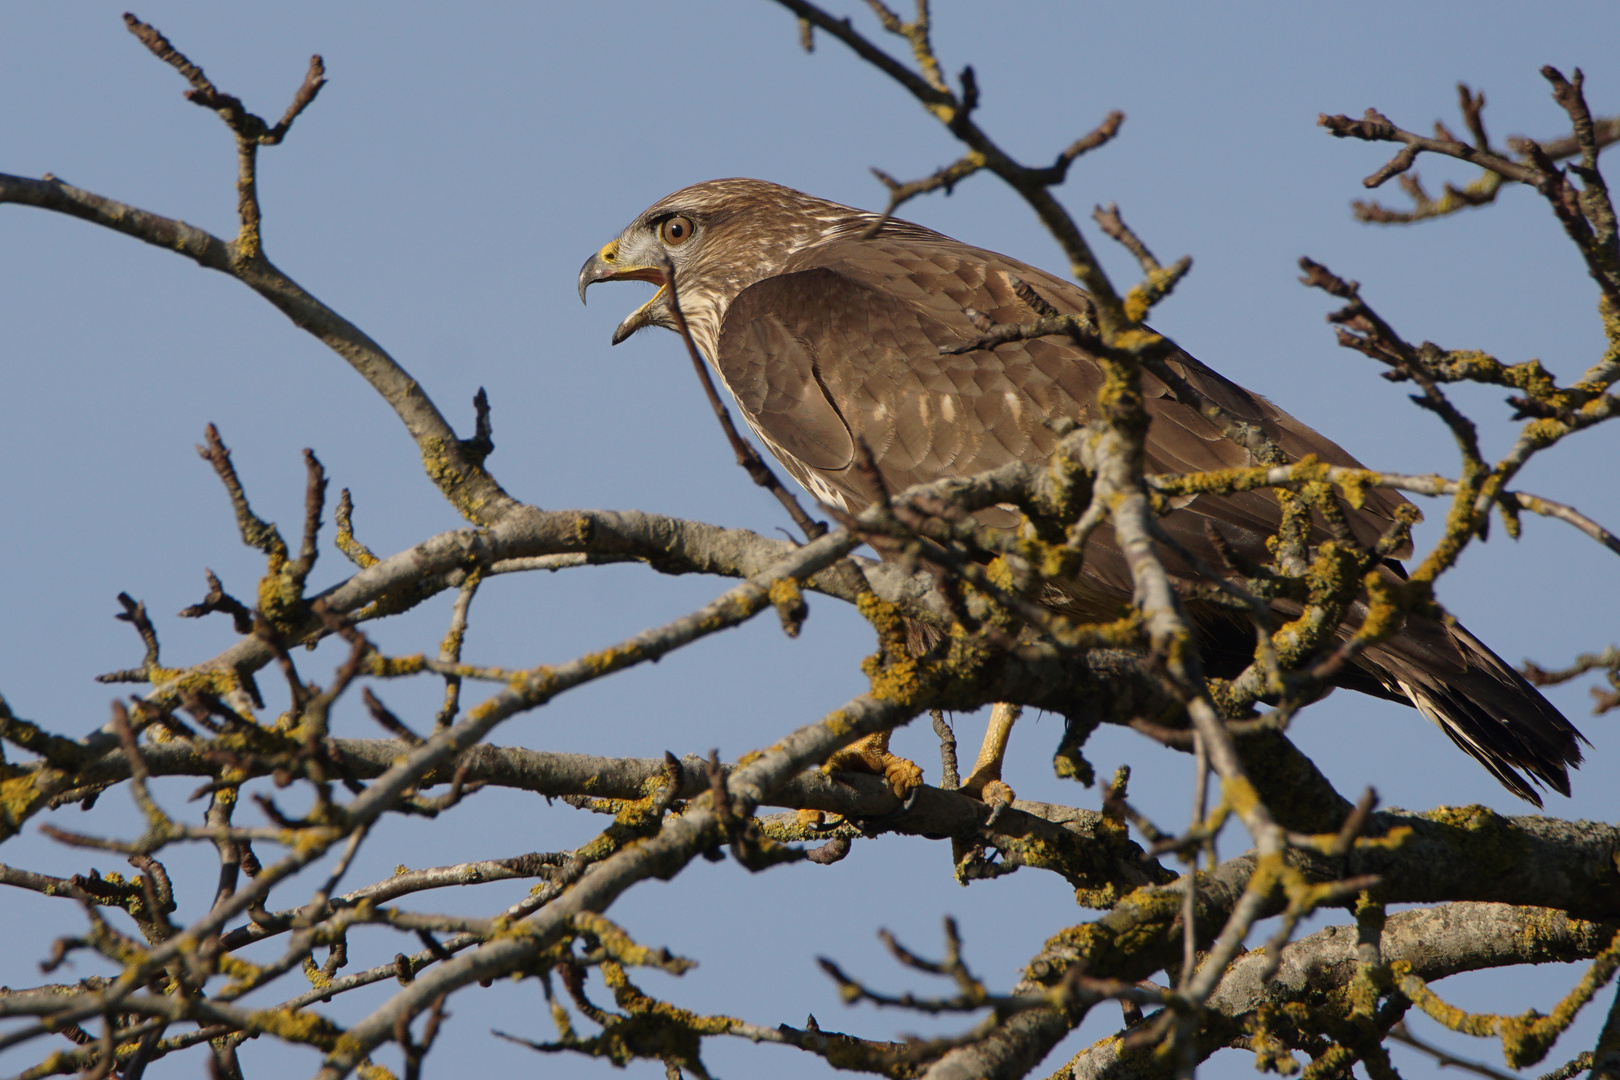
(747, 456)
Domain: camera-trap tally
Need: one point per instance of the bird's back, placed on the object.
(846, 342)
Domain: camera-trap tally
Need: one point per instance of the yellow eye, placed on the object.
(676, 230)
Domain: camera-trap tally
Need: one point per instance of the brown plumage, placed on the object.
(825, 336)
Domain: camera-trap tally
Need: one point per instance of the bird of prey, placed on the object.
(826, 335)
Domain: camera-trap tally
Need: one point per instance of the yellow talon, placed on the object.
(996, 793)
(902, 774)
(871, 755)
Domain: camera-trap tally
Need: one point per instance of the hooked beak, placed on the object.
(605, 265)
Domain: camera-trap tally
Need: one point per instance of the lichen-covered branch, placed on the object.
(1506, 890)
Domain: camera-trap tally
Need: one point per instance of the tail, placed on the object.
(1486, 707)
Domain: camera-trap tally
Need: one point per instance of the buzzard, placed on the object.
(825, 334)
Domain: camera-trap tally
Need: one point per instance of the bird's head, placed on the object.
(717, 237)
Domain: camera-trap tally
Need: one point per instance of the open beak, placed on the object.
(605, 265)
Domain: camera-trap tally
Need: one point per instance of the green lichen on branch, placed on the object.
(1089, 863)
(1157, 285)
(647, 1028)
(788, 600)
(623, 950)
(946, 677)
(464, 484)
(1526, 1037)
(356, 552)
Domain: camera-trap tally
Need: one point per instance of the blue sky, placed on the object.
(442, 193)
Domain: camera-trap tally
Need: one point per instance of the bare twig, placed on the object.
(747, 456)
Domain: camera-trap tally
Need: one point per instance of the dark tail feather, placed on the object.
(1485, 706)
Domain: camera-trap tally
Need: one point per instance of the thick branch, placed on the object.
(1320, 969)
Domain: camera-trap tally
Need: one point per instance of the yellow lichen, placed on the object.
(622, 948)
(789, 603)
(1526, 1037)
(392, 667)
(20, 797)
(297, 1026)
(319, 979)
(1239, 794)
(346, 541)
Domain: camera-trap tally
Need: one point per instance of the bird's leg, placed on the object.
(984, 782)
(871, 755)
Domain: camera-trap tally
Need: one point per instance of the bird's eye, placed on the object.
(676, 230)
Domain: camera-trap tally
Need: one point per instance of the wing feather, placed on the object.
(844, 343)
(868, 319)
